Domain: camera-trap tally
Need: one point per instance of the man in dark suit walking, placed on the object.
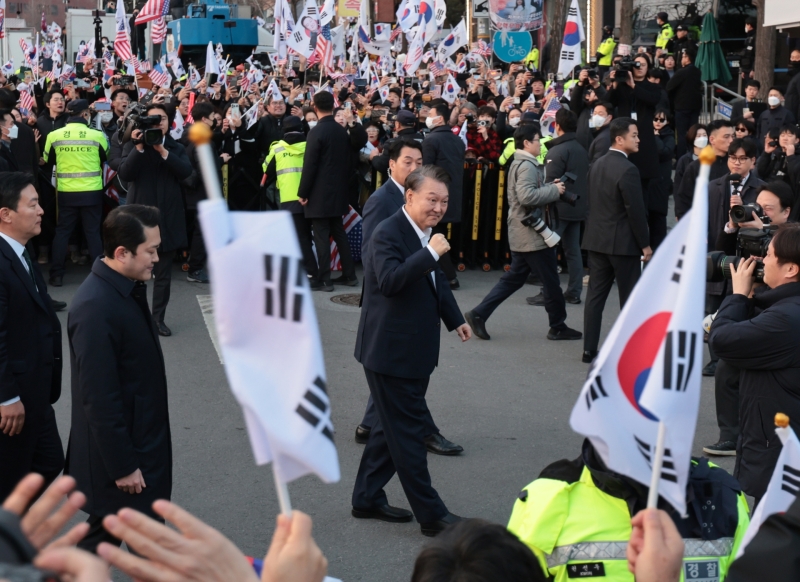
(616, 233)
(405, 156)
(406, 296)
(324, 191)
(30, 344)
(120, 450)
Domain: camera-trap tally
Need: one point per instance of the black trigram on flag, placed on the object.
(315, 408)
(595, 391)
(572, 12)
(279, 299)
(791, 480)
(567, 55)
(679, 353)
(298, 36)
(676, 275)
(667, 465)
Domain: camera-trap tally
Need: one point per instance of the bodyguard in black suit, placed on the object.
(406, 297)
(616, 233)
(30, 344)
(405, 156)
(120, 450)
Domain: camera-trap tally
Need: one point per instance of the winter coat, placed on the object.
(446, 150)
(526, 190)
(566, 154)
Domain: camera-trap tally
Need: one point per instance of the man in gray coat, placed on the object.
(531, 246)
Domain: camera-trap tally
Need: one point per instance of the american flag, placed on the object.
(144, 67)
(152, 10)
(122, 42)
(352, 226)
(108, 177)
(159, 76)
(395, 33)
(436, 68)
(26, 102)
(481, 48)
(137, 66)
(323, 53)
(158, 30)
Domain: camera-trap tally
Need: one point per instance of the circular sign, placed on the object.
(511, 47)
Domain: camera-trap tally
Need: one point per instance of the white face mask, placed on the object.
(106, 116)
(431, 121)
(312, 124)
(13, 131)
(701, 141)
(773, 101)
(597, 121)
(514, 122)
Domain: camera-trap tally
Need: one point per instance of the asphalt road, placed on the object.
(507, 401)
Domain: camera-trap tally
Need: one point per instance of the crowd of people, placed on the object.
(593, 166)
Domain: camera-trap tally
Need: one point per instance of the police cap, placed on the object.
(77, 106)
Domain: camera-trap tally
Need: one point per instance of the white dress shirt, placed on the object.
(399, 187)
(17, 247)
(424, 239)
(618, 151)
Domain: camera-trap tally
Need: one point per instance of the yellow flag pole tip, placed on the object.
(781, 420)
(707, 156)
(200, 134)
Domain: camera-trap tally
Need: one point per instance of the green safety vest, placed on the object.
(77, 149)
(288, 167)
(532, 57)
(509, 148)
(606, 50)
(664, 36)
(576, 530)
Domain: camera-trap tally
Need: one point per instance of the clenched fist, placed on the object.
(439, 244)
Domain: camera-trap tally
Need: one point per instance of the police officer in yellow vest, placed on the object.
(79, 153)
(532, 58)
(605, 51)
(509, 148)
(666, 32)
(285, 162)
(576, 517)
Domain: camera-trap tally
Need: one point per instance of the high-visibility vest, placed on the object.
(288, 167)
(509, 148)
(664, 36)
(606, 50)
(577, 530)
(532, 57)
(77, 149)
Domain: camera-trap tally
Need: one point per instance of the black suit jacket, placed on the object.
(401, 315)
(446, 150)
(120, 418)
(25, 151)
(617, 221)
(30, 338)
(383, 203)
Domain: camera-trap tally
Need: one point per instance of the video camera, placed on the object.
(135, 118)
(750, 242)
(569, 197)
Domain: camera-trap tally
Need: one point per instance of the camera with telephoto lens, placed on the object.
(17, 553)
(626, 65)
(744, 212)
(569, 197)
(750, 242)
(470, 118)
(535, 220)
(135, 118)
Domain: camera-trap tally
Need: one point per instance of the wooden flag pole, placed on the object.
(658, 461)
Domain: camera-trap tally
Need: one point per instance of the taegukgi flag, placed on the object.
(269, 338)
(649, 367)
(784, 487)
(573, 37)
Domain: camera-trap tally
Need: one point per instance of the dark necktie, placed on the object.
(27, 258)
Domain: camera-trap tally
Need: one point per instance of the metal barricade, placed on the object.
(720, 108)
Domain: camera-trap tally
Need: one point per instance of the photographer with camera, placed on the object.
(779, 160)
(635, 97)
(530, 239)
(758, 331)
(582, 100)
(775, 117)
(154, 165)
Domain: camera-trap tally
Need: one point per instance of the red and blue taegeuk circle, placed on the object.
(571, 34)
(637, 359)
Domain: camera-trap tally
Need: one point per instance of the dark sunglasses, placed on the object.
(661, 119)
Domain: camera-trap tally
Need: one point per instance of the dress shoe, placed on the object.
(434, 528)
(438, 445)
(710, 369)
(321, 286)
(721, 449)
(477, 324)
(163, 329)
(536, 300)
(565, 333)
(572, 299)
(362, 434)
(589, 356)
(342, 280)
(57, 305)
(454, 284)
(384, 513)
(56, 280)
